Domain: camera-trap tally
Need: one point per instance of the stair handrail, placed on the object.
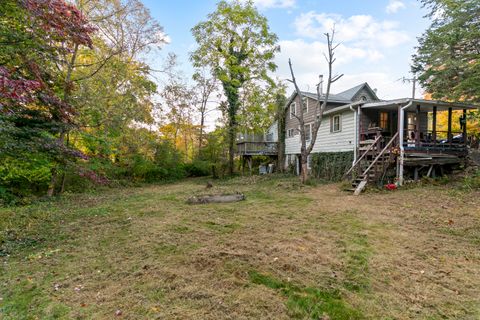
(362, 156)
(380, 154)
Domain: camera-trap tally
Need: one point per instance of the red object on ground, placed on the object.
(391, 186)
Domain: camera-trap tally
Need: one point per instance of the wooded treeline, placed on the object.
(79, 106)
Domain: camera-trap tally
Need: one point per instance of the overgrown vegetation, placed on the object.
(331, 165)
(288, 251)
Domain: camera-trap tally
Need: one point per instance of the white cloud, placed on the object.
(358, 30)
(394, 5)
(275, 3)
(308, 60)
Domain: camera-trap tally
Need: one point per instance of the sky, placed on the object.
(377, 38)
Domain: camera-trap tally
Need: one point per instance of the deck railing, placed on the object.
(256, 148)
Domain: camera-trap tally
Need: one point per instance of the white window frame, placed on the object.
(294, 105)
(309, 162)
(306, 104)
(309, 131)
(339, 116)
(290, 135)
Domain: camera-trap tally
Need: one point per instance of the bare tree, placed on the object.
(205, 87)
(319, 107)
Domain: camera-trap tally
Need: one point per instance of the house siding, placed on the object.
(273, 130)
(327, 141)
(364, 93)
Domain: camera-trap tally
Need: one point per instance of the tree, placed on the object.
(238, 47)
(319, 106)
(280, 117)
(204, 88)
(39, 37)
(447, 59)
(178, 104)
(126, 29)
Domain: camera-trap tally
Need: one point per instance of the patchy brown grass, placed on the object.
(286, 252)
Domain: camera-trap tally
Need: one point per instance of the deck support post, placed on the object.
(417, 127)
(415, 174)
(449, 132)
(401, 127)
(464, 127)
(434, 126)
(243, 165)
(401, 114)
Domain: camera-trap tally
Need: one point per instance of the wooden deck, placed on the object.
(251, 148)
(425, 159)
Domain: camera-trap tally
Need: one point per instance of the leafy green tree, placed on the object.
(238, 47)
(447, 59)
(38, 38)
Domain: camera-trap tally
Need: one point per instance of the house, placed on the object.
(337, 131)
(360, 127)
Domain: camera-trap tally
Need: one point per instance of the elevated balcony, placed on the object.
(256, 148)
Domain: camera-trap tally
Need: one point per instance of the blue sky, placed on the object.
(377, 38)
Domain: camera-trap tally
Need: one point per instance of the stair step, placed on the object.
(370, 141)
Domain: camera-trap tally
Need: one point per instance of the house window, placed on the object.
(309, 161)
(336, 124)
(384, 120)
(308, 132)
(270, 136)
(290, 133)
(293, 110)
(305, 104)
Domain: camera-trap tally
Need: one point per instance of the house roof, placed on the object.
(426, 105)
(344, 97)
(349, 94)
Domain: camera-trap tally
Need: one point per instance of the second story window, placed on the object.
(305, 104)
(290, 133)
(293, 109)
(308, 132)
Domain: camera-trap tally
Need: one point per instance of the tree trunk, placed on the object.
(281, 114)
(231, 148)
(303, 169)
(53, 182)
(200, 136)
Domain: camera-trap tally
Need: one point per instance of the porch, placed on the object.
(405, 135)
(254, 145)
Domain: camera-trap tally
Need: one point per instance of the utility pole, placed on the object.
(410, 80)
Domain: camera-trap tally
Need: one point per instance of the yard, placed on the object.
(286, 252)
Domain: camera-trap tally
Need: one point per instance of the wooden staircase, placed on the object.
(372, 163)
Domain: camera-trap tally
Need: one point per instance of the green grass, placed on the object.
(306, 302)
(287, 251)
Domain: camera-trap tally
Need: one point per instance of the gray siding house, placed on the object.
(370, 140)
(337, 133)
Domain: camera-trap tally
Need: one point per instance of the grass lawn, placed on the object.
(286, 252)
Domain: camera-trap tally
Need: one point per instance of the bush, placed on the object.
(472, 181)
(24, 176)
(331, 165)
(198, 168)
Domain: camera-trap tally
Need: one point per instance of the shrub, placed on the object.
(24, 176)
(472, 181)
(331, 165)
(198, 168)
